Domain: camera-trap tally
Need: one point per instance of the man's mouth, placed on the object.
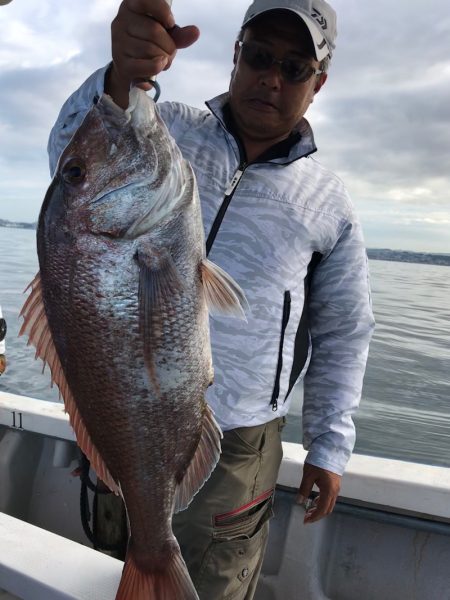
(262, 104)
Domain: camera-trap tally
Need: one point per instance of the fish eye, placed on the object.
(74, 171)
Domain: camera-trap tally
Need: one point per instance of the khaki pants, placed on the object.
(223, 533)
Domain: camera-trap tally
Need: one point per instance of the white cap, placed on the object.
(318, 16)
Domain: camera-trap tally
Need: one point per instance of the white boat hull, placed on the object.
(388, 538)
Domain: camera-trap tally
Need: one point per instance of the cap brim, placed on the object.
(320, 44)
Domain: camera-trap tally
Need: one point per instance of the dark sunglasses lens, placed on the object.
(296, 72)
(256, 57)
(293, 71)
(2, 329)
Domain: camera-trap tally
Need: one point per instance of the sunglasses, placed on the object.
(2, 329)
(293, 70)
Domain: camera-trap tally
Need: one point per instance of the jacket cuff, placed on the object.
(323, 459)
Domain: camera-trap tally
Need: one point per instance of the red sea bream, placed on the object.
(119, 311)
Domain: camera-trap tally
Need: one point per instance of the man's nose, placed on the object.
(272, 77)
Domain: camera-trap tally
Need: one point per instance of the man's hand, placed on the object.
(329, 484)
(144, 41)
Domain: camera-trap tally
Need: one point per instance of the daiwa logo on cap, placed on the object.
(318, 15)
(319, 18)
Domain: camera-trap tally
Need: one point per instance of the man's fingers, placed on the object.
(157, 47)
(139, 50)
(323, 506)
(157, 9)
(143, 84)
(145, 39)
(145, 51)
(306, 487)
(145, 69)
(304, 491)
(147, 29)
(329, 486)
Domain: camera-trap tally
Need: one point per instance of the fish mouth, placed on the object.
(132, 185)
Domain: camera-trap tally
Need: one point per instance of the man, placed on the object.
(284, 228)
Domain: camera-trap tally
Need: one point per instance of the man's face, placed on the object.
(264, 105)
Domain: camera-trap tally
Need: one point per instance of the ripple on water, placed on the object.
(404, 411)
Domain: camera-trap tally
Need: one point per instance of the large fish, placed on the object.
(119, 311)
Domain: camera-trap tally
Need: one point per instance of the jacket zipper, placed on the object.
(284, 322)
(229, 192)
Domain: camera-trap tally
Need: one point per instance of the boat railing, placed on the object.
(35, 563)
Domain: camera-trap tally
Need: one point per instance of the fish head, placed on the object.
(120, 173)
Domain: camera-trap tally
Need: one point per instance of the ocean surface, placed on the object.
(404, 412)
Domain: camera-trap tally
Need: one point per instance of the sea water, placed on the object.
(404, 410)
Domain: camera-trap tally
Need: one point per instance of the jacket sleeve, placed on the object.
(72, 114)
(341, 325)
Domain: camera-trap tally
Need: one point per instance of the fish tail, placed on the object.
(171, 582)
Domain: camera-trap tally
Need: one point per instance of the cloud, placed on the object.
(381, 122)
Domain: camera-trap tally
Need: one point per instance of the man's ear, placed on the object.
(236, 52)
(320, 82)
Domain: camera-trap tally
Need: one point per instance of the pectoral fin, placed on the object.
(36, 326)
(159, 282)
(223, 295)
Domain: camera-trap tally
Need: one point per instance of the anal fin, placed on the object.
(203, 462)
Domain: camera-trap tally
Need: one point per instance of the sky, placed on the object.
(381, 122)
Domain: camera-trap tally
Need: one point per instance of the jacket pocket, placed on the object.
(284, 323)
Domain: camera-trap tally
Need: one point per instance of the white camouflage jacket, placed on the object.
(285, 229)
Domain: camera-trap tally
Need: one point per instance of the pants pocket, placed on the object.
(247, 441)
(243, 521)
(235, 555)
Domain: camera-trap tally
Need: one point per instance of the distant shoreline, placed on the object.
(427, 258)
(17, 225)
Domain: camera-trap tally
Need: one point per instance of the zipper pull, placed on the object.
(234, 182)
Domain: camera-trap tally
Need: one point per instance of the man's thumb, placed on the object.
(184, 36)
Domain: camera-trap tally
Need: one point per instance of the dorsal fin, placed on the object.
(36, 326)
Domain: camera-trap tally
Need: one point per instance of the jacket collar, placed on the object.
(299, 144)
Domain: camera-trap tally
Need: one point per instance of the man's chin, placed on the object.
(261, 124)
